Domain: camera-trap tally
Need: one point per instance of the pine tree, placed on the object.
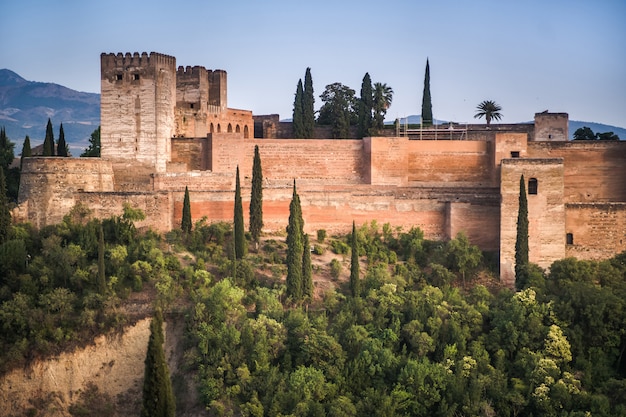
(94, 144)
(61, 145)
(158, 397)
(240, 236)
(307, 273)
(102, 285)
(355, 280)
(298, 112)
(6, 151)
(27, 152)
(427, 105)
(186, 224)
(48, 143)
(294, 249)
(366, 104)
(256, 198)
(521, 242)
(5, 214)
(308, 104)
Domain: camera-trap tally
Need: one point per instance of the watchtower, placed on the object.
(551, 127)
(138, 96)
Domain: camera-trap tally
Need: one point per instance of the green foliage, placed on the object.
(6, 150)
(94, 145)
(585, 133)
(335, 268)
(158, 397)
(365, 107)
(26, 149)
(308, 106)
(427, 105)
(489, 110)
(256, 198)
(238, 228)
(338, 110)
(5, 214)
(321, 235)
(48, 143)
(355, 279)
(295, 248)
(11, 175)
(521, 241)
(307, 273)
(383, 96)
(298, 112)
(62, 149)
(186, 222)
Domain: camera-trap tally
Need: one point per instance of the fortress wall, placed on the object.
(386, 160)
(334, 161)
(193, 153)
(595, 171)
(49, 185)
(546, 213)
(452, 162)
(598, 229)
(480, 223)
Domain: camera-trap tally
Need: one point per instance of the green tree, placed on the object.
(5, 214)
(463, 256)
(239, 231)
(186, 222)
(489, 110)
(366, 106)
(256, 198)
(307, 273)
(383, 96)
(61, 144)
(158, 397)
(294, 249)
(102, 285)
(6, 151)
(355, 279)
(308, 103)
(338, 109)
(607, 136)
(521, 242)
(27, 152)
(427, 105)
(584, 133)
(298, 112)
(94, 144)
(48, 143)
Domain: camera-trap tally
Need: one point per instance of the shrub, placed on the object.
(318, 249)
(335, 269)
(339, 247)
(321, 235)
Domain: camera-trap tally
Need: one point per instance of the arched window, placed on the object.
(569, 239)
(237, 129)
(219, 128)
(533, 186)
(230, 128)
(211, 129)
(245, 131)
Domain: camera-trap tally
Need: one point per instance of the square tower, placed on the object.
(551, 127)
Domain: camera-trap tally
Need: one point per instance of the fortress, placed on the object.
(165, 128)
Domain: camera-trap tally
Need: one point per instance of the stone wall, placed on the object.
(552, 127)
(598, 230)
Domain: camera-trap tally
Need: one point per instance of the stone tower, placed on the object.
(138, 96)
(551, 127)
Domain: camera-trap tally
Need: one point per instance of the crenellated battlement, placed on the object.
(190, 73)
(127, 60)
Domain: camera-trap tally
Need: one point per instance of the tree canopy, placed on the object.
(489, 110)
(427, 105)
(94, 144)
(339, 109)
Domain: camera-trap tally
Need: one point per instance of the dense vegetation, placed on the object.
(426, 332)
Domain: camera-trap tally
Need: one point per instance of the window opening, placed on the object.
(532, 186)
(514, 154)
(569, 239)
(118, 77)
(135, 77)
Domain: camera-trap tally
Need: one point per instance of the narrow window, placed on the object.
(514, 154)
(191, 105)
(230, 128)
(245, 131)
(212, 128)
(569, 239)
(219, 128)
(237, 129)
(135, 77)
(532, 186)
(118, 77)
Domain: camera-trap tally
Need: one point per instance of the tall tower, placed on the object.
(138, 95)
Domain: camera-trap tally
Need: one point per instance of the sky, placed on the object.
(527, 56)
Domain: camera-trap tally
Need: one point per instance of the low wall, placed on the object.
(598, 229)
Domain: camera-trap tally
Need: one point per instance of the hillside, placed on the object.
(25, 107)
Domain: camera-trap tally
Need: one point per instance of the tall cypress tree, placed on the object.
(307, 273)
(256, 198)
(355, 280)
(158, 396)
(186, 223)
(427, 105)
(5, 214)
(102, 285)
(61, 145)
(27, 152)
(298, 112)
(366, 104)
(240, 237)
(308, 103)
(521, 242)
(48, 143)
(294, 249)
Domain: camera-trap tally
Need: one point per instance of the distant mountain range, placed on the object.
(25, 107)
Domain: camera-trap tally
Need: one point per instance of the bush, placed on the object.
(339, 247)
(335, 269)
(321, 235)
(318, 249)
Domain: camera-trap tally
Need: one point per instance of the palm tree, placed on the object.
(490, 110)
(383, 95)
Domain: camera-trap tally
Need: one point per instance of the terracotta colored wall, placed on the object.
(598, 229)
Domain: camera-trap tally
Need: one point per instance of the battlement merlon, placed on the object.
(127, 61)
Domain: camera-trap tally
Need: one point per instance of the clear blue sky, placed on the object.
(528, 56)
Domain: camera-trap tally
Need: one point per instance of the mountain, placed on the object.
(25, 107)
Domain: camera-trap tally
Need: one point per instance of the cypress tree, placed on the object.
(48, 143)
(308, 103)
(298, 112)
(158, 397)
(5, 214)
(521, 242)
(61, 145)
(427, 105)
(355, 280)
(27, 152)
(240, 238)
(102, 286)
(256, 198)
(366, 104)
(307, 273)
(294, 249)
(6, 151)
(185, 223)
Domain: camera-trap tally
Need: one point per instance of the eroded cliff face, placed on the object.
(114, 364)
